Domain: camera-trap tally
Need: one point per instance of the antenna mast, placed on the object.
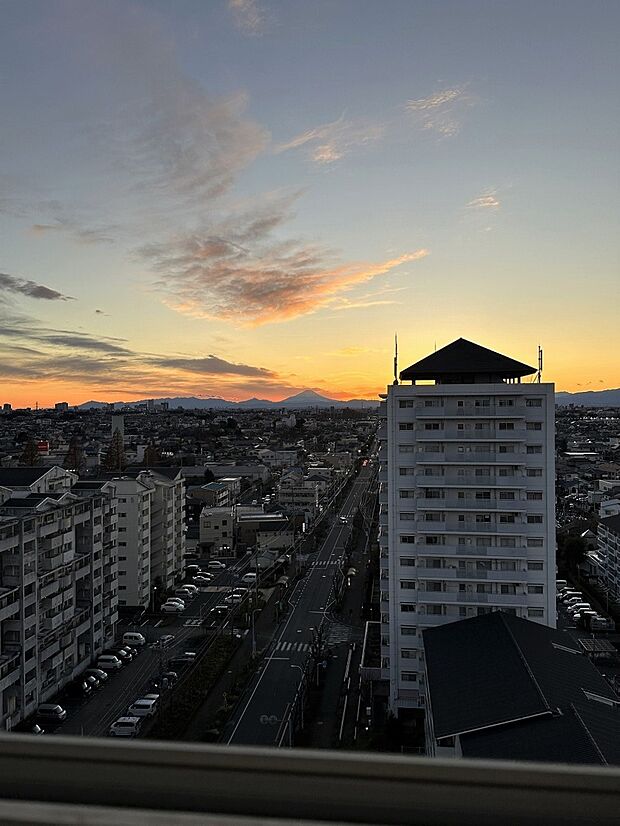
(395, 358)
(540, 363)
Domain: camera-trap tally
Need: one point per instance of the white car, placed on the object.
(142, 708)
(215, 565)
(248, 579)
(184, 593)
(176, 600)
(125, 727)
(233, 599)
(189, 587)
(202, 580)
(172, 608)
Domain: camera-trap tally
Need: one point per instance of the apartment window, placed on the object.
(533, 426)
(535, 612)
(408, 607)
(432, 540)
(480, 426)
(122, 513)
(408, 630)
(405, 425)
(506, 471)
(535, 589)
(122, 587)
(483, 518)
(407, 561)
(409, 676)
(534, 472)
(531, 449)
(431, 449)
(507, 565)
(482, 403)
(434, 586)
(409, 653)
(508, 589)
(407, 517)
(435, 610)
(534, 519)
(506, 449)
(122, 573)
(407, 471)
(483, 494)
(460, 403)
(432, 426)
(533, 402)
(432, 517)
(506, 426)
(482, 471)
(406, 448)
(406, 494)
(481, 612)
(534, 495)
(483, 565)
(460, 426)
(535, 566)
(506, 403)
(507, 542)
(506, 494)
(433, 493)
(408, 584)
(402, 403)
(122, 559)
(432, 402)
(122, 544)
(122, 530)
(408, 539)
(433, 562)
(484, 588)
(535, 542)
(483, 542)
(433, 471)
(506, 518)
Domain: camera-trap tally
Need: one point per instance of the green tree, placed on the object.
(30, 454)
(74, 460)
(115, 456)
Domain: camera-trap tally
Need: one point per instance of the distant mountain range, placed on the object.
(305, 399)
(590, 398)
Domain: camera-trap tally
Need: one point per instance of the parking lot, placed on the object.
(93, 716)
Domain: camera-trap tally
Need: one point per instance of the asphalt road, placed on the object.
(264, 709)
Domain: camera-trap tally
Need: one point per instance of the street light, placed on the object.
(303, 674)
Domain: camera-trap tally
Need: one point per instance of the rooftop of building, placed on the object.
(516, 689)
(463, 362)
(612, 523)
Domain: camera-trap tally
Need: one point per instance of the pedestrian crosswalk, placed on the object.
(293, 646)
(193, 622)
(322, 563)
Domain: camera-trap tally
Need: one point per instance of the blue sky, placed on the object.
(244, 197)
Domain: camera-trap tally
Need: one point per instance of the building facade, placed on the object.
(467, 503)
(58, 594)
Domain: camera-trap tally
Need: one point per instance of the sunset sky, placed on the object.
(249, 197)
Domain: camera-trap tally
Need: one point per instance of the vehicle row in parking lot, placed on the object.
(580, 610)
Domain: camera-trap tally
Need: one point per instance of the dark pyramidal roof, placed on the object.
(465, 359)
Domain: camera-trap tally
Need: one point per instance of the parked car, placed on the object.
(109, 662)
(122, 653)
(178, 600)
(125, 727)
(52, 712)
(172, 608)
(92, 681)
(201, 580)
(233, 599)
(78, 688)
(249, 578)
(134, 638)
(163, 681)
(182, 660)
(192, 570)
(216, 565)
(165, 640)
(99, 673)
(219, 610)
(28, 727)
(142, 708)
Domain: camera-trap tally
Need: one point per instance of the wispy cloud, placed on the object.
(442, 111)
(12, 285)
(248, 16)
(487, 200)
(238, 271)
(212, 366)
(331, 142)
(81, 234)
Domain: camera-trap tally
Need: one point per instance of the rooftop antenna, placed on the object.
(540, 364)
(395, 358)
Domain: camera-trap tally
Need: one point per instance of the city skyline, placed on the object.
(250, 198)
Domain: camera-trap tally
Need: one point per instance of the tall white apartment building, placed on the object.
(467, 502)
(134, 503)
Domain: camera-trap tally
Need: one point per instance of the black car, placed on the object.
(79, 688)
(122, 653)
(91, 680)
(163, 681)
(98, 673)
